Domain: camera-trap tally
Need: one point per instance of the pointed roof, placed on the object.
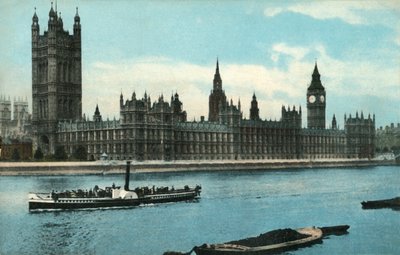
(316, 79)
(97, 112)
(35, 17)
(52, 12)
(77, 18)
(217, 76)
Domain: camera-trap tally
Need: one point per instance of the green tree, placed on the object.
(15, 155)
(38, 154)
(80, 153)
(60, 153)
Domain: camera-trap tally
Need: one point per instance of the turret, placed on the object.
(35, 23)
(97, 116)
(35, 36)
(121, 100)
(254, 111)
(52, 23)
(334, 124)
(77, 25)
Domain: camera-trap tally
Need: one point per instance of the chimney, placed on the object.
(127, 174)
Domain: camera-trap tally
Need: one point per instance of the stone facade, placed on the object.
(159, 130)
(17, 126)
(56, 78)
(15, 149)
(388, 138)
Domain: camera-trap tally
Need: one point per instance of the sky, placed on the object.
(264, 47)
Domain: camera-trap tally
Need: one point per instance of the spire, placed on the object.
(97, 116)
(60, 21)
(217, 78)
(97, 112)
(316, 73)
(35, 18)
(77, 18)
(316, 79)
(52, 12)
(334, 123)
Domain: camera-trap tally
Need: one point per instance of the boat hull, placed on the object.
(226, 249)
(385, 203)
(82, 203)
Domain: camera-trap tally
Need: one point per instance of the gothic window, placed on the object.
(59, 67)
(70, 73)
(45, 71)
(60, 111)
(64, 72)
(40, 109)
(65, 106)
(70, 108)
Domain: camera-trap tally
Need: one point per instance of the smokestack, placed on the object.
(127, 173)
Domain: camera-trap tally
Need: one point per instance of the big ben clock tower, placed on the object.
(316, 102)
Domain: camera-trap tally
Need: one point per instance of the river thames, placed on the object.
(233, 205)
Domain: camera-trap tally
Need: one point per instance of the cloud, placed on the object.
(273, 11)
(104, 82)
(352, 12)
(274, 87)
(297, 53)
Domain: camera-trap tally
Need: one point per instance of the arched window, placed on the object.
(40, 109)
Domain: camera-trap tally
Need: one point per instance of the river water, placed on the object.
(233, 205)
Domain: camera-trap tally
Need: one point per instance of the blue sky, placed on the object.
(265, 47)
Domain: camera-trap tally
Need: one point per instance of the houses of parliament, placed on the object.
(159, 130)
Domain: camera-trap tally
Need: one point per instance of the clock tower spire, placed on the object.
(316, 102)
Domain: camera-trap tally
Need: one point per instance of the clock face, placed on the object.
(311, 99)
(322, 99)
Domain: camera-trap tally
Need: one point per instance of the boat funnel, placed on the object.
(127, 174)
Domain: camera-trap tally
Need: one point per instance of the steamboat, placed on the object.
(111, 197)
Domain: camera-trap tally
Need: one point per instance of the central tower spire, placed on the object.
(217, 78)
(217, 99)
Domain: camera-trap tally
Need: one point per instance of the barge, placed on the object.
(393, 203)
(272, 242)
(111, 197)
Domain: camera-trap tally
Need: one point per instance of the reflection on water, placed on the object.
(233, 205)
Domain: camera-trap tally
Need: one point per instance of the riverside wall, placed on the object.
(115, 167)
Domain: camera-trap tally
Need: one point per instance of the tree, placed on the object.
(80, 153)
(60, 153)
(38, 154)
(15, 154)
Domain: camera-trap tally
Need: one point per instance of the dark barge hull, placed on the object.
(277, 241)
(205, 251)
(385, 203)
(102, 203)
(273, 248)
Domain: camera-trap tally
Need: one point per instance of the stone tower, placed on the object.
(56, 78)
(217, 97)
(316, 102)
(254, 111)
